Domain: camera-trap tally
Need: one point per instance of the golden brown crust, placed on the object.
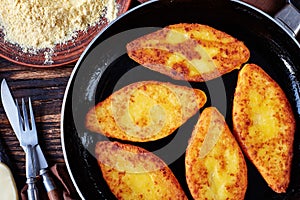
(215, 165)
(264, 125)
(191, 52)
(134, 173)
(145, 111)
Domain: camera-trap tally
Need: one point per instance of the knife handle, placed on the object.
(50, 186)
(32, 191)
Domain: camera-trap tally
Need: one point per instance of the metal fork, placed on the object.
(28, 141)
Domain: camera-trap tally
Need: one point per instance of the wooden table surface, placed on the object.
(46, 87)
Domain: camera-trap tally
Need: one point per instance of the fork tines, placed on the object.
(24, 122)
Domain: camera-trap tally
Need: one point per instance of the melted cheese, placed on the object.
(203, 63)
(217, 186)
(262, 117)
(175, 37)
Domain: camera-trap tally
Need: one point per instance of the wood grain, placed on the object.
(46, 88)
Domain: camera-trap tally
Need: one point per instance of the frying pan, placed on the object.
(105, 67)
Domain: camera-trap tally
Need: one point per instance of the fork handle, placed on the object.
(32, 191)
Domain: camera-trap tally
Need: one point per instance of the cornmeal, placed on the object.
(37, 24)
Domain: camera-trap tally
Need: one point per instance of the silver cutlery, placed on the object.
(41, 165)
(28, 140)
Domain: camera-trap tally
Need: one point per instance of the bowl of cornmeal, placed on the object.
(45, 33)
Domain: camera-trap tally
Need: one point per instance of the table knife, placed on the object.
(11, 111)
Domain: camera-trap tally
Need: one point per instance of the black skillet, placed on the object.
(105, 67)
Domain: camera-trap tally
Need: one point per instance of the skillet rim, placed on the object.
(87, 49)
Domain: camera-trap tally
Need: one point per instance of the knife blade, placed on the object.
(11, 111)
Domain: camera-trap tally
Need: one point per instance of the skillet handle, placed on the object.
(289, 17)
(285, 12)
